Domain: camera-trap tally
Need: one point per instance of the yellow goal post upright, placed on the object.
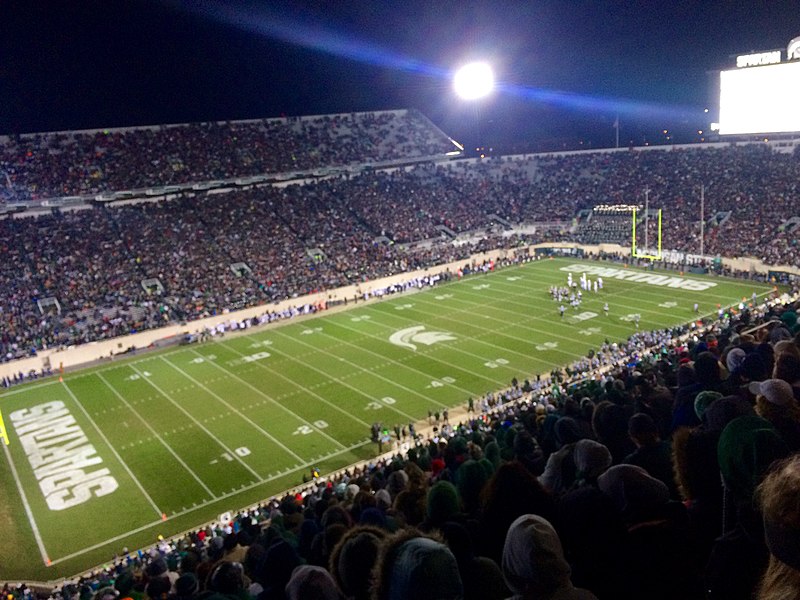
(634, 252)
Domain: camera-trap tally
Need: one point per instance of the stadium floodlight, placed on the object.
(473, 81)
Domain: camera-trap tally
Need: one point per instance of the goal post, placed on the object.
(646, 251)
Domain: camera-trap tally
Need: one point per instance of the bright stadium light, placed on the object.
(473, 81)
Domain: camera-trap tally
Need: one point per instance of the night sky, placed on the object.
(73, 64)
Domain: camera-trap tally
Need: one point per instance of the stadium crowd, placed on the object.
(666, 467)
(343, 230)
(636, 473)
(51, 165)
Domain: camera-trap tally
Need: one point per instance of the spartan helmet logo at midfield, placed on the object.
(793, 49)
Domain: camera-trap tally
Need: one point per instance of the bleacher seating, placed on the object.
(589, 450)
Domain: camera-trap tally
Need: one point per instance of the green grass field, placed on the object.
(189, 433)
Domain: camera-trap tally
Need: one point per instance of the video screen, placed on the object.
(760, 99)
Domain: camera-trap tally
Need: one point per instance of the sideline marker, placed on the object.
(3, 432)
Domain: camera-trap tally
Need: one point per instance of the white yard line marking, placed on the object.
(28, 511)
(125, 466)
(381, 377)
(156, 436)
(198, 423)
(243, 489)
(345, 384)
(399, 363)
(24, 387)
(235, 410)
(293, 382)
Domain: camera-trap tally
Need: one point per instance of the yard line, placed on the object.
(157, 436)
(399, 364)
(198, 423)
(28, 511)
(410, 368)
(341, 382)
(24, 387)
(656, 291)
(275, 402)
(235, 410)
(186, 511)
(125, 466)
(438, 360)
(369, 372)
(518, 323)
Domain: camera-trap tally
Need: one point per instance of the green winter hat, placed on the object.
(703, 400)
(747, 447)
(442, 502)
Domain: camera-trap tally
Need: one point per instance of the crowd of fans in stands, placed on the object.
(674, 475)
(640, 483)
(79, 163)
(298, 239)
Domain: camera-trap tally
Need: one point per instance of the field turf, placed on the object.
(189, 433)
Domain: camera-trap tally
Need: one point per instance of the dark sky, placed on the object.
(71, 64)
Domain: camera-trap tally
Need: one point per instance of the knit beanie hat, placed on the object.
(442, 502)
(424, 568)
(309, 581)
(747, 447)
(753, 367)
(703, 400)
(471, 477)
(354, 560)
(567, 431)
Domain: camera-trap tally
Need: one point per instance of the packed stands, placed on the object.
(619, 477)
(327, 232)
(627, 475)
(87, 163)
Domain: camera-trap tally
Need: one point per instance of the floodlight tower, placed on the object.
(472, 83)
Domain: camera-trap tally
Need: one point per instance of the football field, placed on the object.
(162, 442)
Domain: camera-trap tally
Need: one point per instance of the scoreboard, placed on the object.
(761, 95)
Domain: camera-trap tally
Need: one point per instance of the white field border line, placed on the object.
(89, 371)
(437, 360)
(25, 387)
(125, 466)
(235, 410)
(225, 496)
(344, 383)
(270, 398)
(372, 373)
(126, 361)
(198, 423)
(540, 275)
(28, 510)
(156, 435)
(263, 366)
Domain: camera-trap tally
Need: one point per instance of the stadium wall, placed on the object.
(76, 356)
